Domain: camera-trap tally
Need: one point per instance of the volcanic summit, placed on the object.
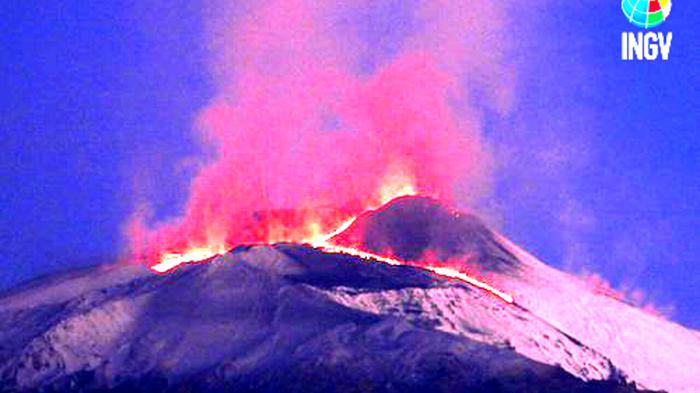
(414, 228)
(410, 297)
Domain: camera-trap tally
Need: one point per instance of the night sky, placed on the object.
(597, 166)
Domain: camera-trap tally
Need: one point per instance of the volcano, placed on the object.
(416, 229)
(304, 318)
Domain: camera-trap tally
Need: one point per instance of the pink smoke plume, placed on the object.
(301, 133)
(629, 295)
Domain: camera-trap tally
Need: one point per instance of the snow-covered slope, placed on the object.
(651, 351)
(654, 352)
(293, 318)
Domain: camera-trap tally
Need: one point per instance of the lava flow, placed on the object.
(311, 231)
(440, 271)
(170, 261)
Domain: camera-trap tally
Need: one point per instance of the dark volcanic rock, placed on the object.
(409, 228)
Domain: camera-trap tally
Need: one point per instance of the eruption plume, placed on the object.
(312, 125)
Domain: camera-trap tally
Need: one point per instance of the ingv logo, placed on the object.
(641, 46)
(646, 14)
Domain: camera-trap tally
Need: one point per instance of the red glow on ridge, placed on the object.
(170, 261)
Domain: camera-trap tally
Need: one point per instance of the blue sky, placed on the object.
(613, 184)
(598, 161)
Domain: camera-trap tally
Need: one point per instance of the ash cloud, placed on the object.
(310, 113)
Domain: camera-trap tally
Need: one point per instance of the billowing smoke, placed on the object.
(324, 109)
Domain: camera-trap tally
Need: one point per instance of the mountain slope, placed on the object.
(289, 317)
(271, 317)
(640, 344)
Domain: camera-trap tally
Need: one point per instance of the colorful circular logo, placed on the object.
(646, 13)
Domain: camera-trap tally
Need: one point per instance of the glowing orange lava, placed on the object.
(396, 185)
(170, 261)
(297, 228)
(440, 271)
